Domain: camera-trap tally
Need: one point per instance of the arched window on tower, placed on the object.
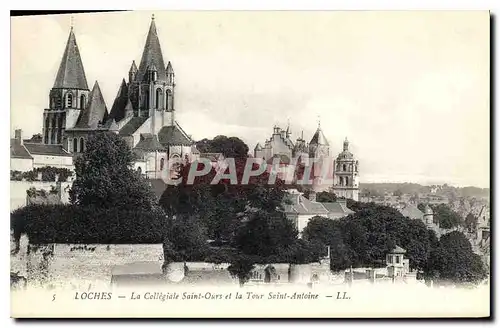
(69, 100)
(170, 100)
(344, 168)
(59, 101)
(341, 181)
(82, 145)
(162, 164)
(158, 97)
(346, 181)
(82, 101)
(75, 145)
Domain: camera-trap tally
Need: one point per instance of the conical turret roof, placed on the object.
(71, 74)
(118, 108)
(133, 67)
(169, 68)
(319, 138)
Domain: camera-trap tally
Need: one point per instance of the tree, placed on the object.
(265, 236)
(326, 197)
(230, 147)
(242, 267)
(105, 178)
(454, 261)
(185, 240)
(397, 193)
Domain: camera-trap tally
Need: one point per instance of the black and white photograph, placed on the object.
(230, 164)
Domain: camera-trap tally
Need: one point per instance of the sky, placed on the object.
(410, 90)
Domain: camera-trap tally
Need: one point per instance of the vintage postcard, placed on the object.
(265, 164)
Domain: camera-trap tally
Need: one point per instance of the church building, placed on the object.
(143, 112)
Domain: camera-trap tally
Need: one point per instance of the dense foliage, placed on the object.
(48, 173)
(365, 237)
(105, 178)
(326, 197)
(454, 261)
(74, 224)
(230, 147)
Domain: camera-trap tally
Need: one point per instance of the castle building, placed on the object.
(344, 170)
(143, 112)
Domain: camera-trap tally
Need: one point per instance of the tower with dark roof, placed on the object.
(151, 86)
(69, 95)
(319, 146)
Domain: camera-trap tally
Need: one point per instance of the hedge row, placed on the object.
(48, 174)
(72, 224)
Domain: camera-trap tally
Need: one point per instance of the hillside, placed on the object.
(415, 188)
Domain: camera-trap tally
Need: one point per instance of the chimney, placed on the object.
(18, 135)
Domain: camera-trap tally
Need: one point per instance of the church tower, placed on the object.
(151, 86)
(68, 97)
(346, 176)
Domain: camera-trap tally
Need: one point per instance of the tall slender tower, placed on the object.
(346, 175)
(69, 95)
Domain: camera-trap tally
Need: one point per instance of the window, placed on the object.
(344, 168)
(69, 100)
(159, 94)
(346, 181)
(81, 145)
(139, 170)
(341, 181)
(75, 145)
(162, 164)
(170, 100)
(58, 101)
(82, 101)
(397, 259)
(389, 259)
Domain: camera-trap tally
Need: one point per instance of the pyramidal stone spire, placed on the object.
(96, 111)
(71, 74)
(133, 68)
(152, 55)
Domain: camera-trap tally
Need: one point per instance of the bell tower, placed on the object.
(68, 97)
(346, 174)
(151, 86)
